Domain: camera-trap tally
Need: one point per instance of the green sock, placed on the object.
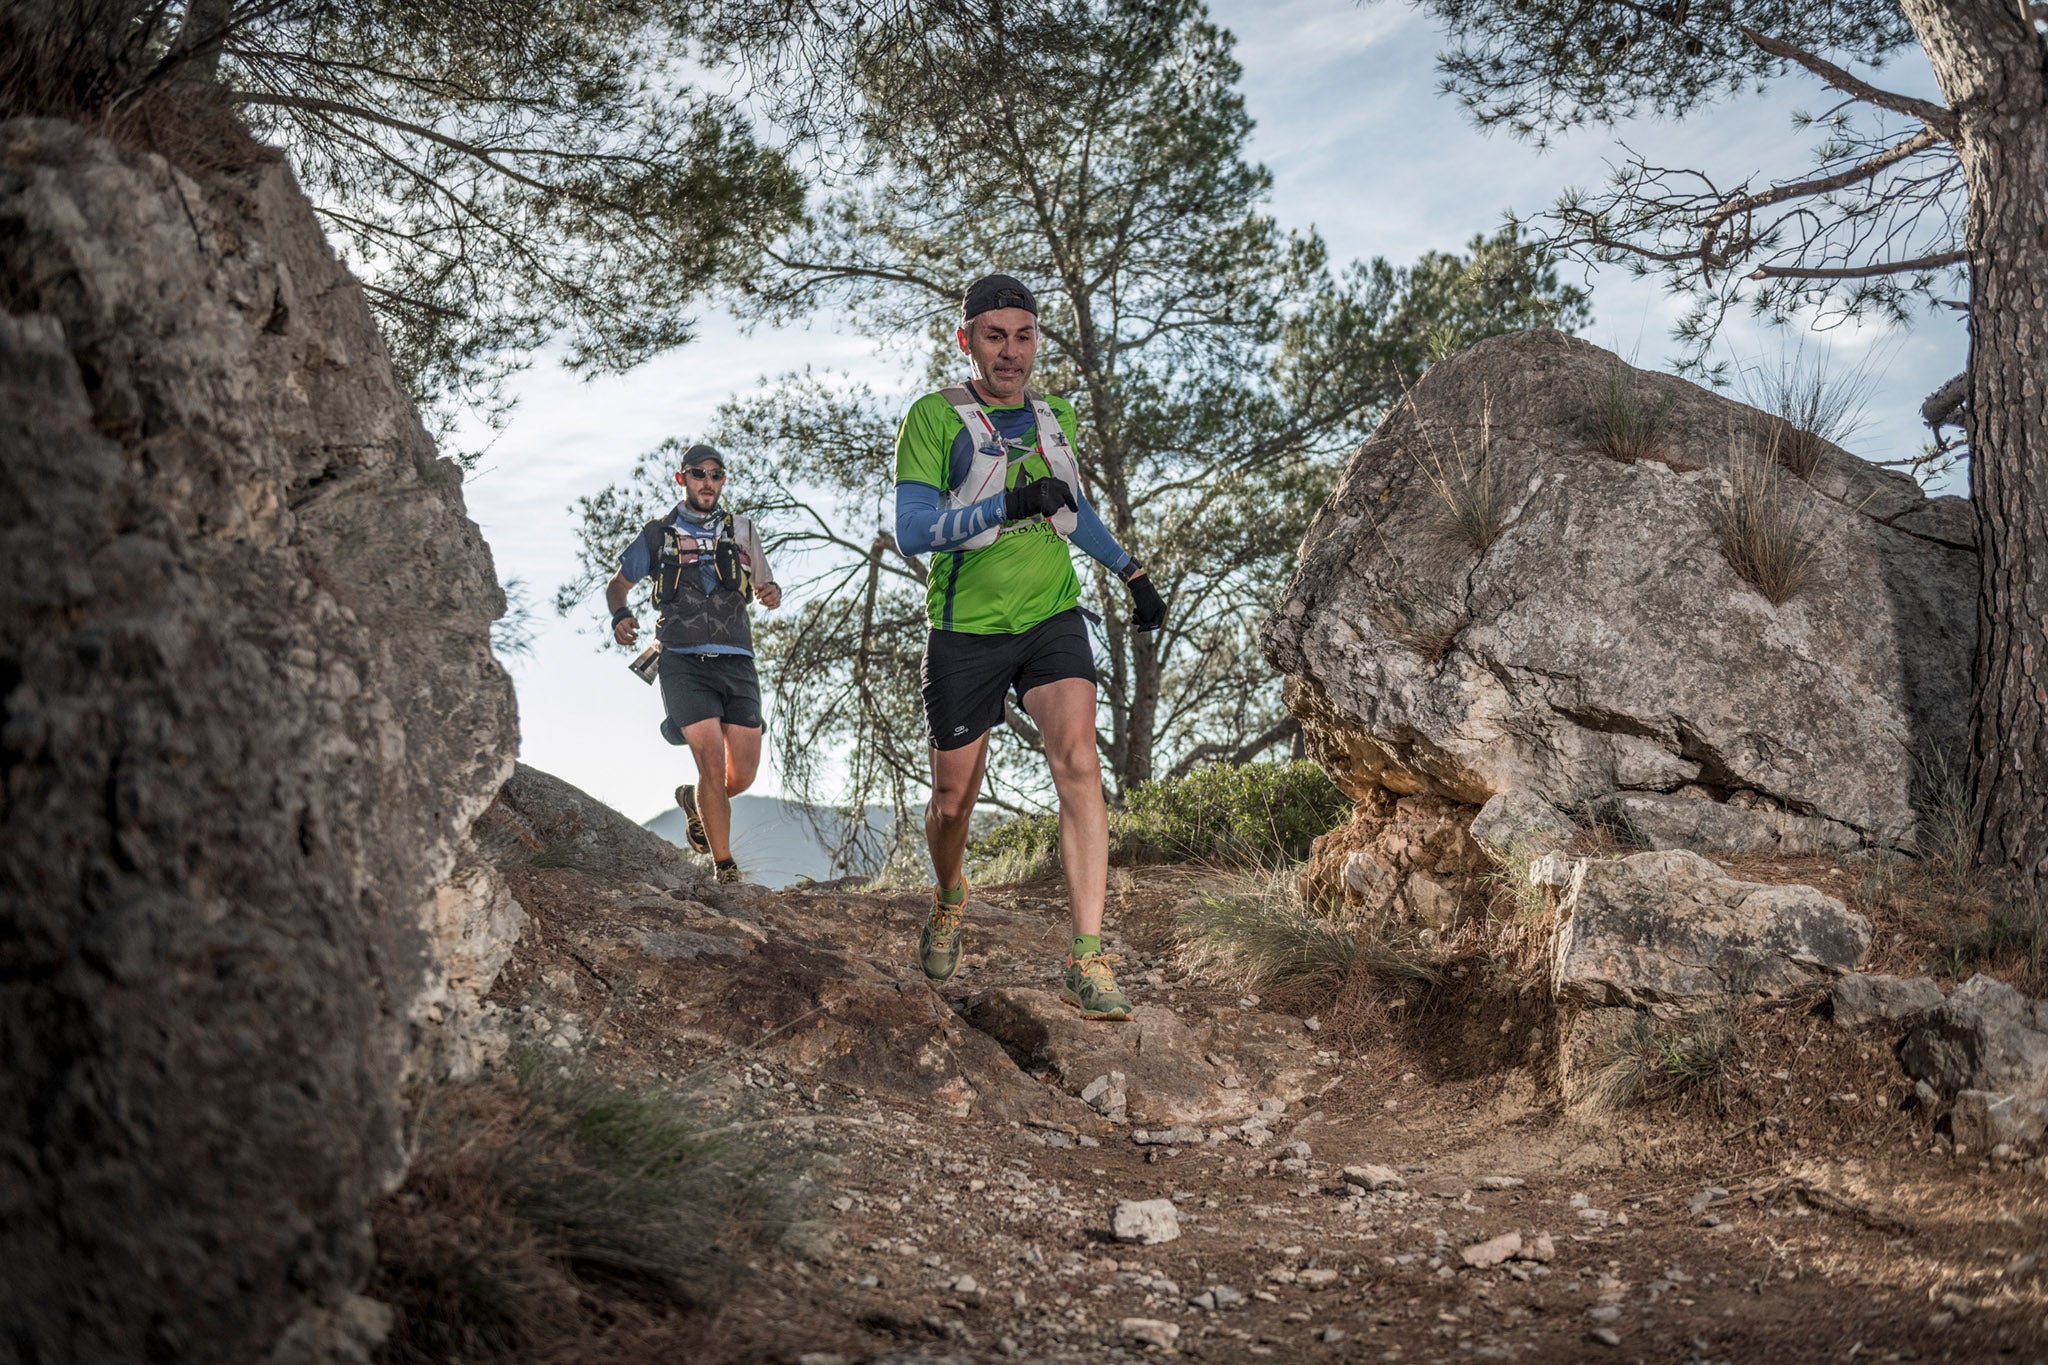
(1084, 944)
(956, 896)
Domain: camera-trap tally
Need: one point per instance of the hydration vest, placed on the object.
(989, 474)
(690, 615)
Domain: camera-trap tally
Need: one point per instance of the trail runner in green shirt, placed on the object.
(988, 484)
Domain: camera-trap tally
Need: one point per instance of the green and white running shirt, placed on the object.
(1028, 575)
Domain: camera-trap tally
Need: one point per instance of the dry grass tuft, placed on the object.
(105, 66)
(1256, 933)
(1425, 619)
(1767, 529)
(556, 1217)
(1692, 1058)
(1620, 423)
(1476, 504)
(1815, 407)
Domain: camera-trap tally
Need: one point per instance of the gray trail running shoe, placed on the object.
(1090, 987)
(693, 823)
(938, 947)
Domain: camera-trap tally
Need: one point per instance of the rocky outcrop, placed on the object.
(1409, 859)
(250, 714)
(540, 819)
(1592, 639)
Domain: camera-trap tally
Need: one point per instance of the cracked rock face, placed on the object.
(250, 711)
(1602, 643)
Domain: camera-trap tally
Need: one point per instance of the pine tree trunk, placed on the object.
(1990, 65)
(1144, 729)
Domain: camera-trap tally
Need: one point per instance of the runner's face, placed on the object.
(700, 492)
(1000, 346)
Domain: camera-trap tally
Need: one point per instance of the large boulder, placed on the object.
(250, 714)
(1985, 1036)
(1601, 643)
(1671, 933)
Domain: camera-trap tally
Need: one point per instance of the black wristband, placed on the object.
(1130, 570)
(621, 614)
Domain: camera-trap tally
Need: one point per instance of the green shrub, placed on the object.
(1228, 813)
(1245, 812)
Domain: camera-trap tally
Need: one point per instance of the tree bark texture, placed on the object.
(1989, 62)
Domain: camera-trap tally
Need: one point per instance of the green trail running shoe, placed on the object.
(1090, 987)
(938, 947)
(693, 823)
(730, 873)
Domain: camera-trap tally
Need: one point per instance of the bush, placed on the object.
(1229, 813)
(1245, 812)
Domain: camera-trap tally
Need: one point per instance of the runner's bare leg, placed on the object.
(706, 739)
(956, 781)
(1065, 713)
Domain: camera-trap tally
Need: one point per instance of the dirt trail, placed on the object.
(962, 1200)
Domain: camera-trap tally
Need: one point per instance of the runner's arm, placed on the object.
(1094, 537)
(923, 525)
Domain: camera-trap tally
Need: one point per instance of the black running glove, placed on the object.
(1037, 498)
(1149, 607)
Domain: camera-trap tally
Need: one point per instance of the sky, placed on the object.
(1362, 148)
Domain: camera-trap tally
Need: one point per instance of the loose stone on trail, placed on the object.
(1146, 1221)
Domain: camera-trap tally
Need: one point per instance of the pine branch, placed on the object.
(1938, 117)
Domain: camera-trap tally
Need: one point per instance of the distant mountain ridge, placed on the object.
(773, 839)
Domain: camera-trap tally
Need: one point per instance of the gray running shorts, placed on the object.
(698, 687)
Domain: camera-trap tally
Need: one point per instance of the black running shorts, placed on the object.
(698, 687)
(965, 675)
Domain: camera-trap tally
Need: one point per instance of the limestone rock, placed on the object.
(1160, 1056)
(1726, 829)
(1985, 1036)
(1602, 643)
(1374, 1177)
(540, 820)
(1857, 1000)
(474, 920)
(251, 713)
(1492, 1251)
(1520, 825)
(1151, 1332)
(1981, 1120)
(1146, 1221)
(1668, 931)
(1411, 859)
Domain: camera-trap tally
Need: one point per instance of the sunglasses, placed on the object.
(704, 475)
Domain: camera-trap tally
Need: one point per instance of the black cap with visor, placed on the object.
(991, 292)
(697, 456)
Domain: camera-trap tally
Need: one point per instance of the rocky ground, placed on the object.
(1393, 1182)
